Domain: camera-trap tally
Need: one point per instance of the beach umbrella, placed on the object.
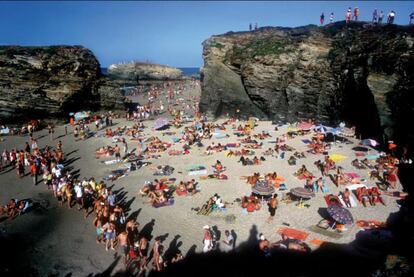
(302, 192)
(369, 142)
(160, 123)
(305, 126)
(360, 149)
(337, 157)
(340, 214)
(263, 188)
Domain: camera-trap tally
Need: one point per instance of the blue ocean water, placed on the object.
(187, 71)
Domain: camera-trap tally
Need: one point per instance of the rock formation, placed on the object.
(360, 73)
(52, 81)
(136, 71)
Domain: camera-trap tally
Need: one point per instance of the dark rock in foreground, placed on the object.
(52, 81)
(360, 73)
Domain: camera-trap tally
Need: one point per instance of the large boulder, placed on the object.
(354, 72)
(51, 81)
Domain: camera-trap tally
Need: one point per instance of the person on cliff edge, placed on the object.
(322, 18)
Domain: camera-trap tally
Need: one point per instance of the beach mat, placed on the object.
(370, 224)
(165, 204)
(326, 233)
(317, 242)
(293, 233)
(306, 141)
(360, 154)
(337, 157)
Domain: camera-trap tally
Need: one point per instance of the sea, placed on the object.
(187, 71)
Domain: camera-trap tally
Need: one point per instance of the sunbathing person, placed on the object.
(218, 167)
(299, 155)
(364, 196)
(375, 196)
(328, 165)
(292, 160)
(269, 152)
(346, 198)
(303, 173)
(356, 163)
(12, 209)
(340, 178)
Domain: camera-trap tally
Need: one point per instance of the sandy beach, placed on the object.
(56, 240)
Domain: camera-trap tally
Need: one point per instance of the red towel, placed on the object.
(293, 233)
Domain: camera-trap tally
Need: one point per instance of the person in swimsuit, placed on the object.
(272, 207)
(123, 243)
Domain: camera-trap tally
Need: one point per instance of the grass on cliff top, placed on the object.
(217, 45)
(260, 47)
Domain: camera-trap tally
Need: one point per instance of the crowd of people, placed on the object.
(354, 15)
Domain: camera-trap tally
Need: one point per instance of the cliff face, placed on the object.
(359, 73)
(48, 81)
(136, 71)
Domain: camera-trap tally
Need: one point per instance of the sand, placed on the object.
(56, 240)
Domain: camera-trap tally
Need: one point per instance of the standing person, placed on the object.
(391, 16)
(228, 241)
(125, 146)
(356, 13)
(123, 243)
(79, 195)
(272, 204)
(331, 18)
(110, 235)
(380, 17)
(255, 26)
(51, 131)
(375, 16)
(411, 18)
(208, 239)
(322, 18)
(33, 171)
(117, 153)
(66, 129)
(348, 15)
(250, 27)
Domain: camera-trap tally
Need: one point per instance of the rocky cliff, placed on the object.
(52, 81)
(136, 71)
(357, 72)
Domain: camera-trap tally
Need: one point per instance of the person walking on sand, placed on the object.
(272, 204)
(331, 18)
(322, 18)
(123, 243)
(208, 239)
(356, 13)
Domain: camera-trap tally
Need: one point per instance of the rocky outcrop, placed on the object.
(360, 73)
(136, 71)
(52, 81)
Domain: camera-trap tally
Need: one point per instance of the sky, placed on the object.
(165, 32)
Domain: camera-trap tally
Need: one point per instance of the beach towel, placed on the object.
(219, 135)
(337, 157)
(197, 172)
(111, 162)
(175, 139)
(352, 175)
(293, 233)
(232, 145)
(351, 200)
(170, 202)
(317, 242)
(370, 224)
(306, 141)
(328, 233)
(373, 156)
(360, 154)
